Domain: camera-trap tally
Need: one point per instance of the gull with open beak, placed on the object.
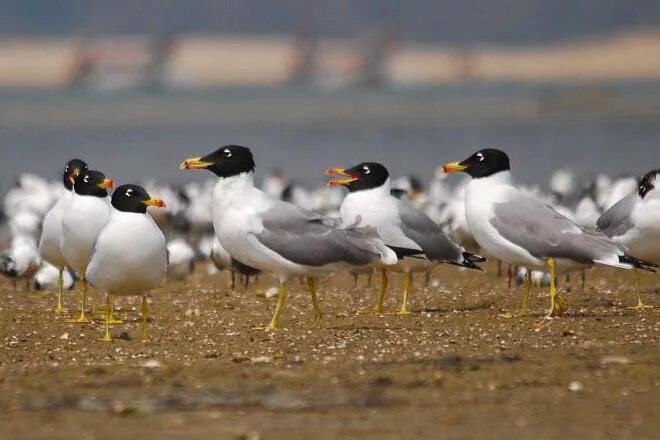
(83, 217)
(520, 229)
(634, 222)
(276, 236)
(130, 254)
(51, 230)
(399, 224)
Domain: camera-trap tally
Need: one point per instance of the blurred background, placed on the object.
(134, 86)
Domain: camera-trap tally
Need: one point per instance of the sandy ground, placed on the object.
(455, 368)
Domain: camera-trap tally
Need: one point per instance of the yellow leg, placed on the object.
(59, 309)
(106, 337)
(275, 322)
(557, 303)
(82, 319)
(380, 306)
(144, 310)
(112, 318)
(407, 281)
(311, 285)
(640, 305)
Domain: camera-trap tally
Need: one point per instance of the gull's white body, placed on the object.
(130, 256)
(51, 233)
(237, 209)
(643, 239)
(481, 196)
(376, 207)
(83, 218)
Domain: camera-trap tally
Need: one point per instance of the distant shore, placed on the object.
(213, 60)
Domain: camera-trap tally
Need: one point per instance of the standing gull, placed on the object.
(51, 232)
(276, 236)
(83, 217)
(634, 222)
(519, 229)
(130, 255)
(399, 224)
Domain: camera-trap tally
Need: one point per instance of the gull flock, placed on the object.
(129, 240)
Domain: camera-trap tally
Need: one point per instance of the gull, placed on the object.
(520, 229)
(399, 224)
(130, 254)
(83, 217)
(634, 222)
(51, 231)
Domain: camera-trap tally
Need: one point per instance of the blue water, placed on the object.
(133, 136)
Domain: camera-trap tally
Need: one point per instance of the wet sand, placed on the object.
(455, 368)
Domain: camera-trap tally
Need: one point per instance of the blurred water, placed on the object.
(132, 136)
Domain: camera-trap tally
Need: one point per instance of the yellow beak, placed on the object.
(194, 163)
(107, 184)
(155, 202)
(340, 172)
(453, 167)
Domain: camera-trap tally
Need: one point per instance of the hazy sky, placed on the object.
(465, 21)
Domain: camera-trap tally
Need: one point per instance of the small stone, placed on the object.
(614, 360)
(575, 386)
(64, 337)
(261, 360)
(151, 364)
(273, 291)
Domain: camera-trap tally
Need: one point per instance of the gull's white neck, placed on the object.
(486, 189)
(372, 193)
(235, 189)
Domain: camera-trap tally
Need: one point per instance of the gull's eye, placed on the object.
(227, 153)
(480, 157)
(129, 193)
(366, 170)
(86, 178)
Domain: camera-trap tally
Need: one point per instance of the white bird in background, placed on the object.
(21, 261)
(181, 260)
(130, 254)
(83, 217)
(399, 224)
(51, 231)
(276, 236)
(49, 277)
(223, 261)
(634, 222)
(520, 229)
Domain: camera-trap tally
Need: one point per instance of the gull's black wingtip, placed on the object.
(405, 252)
(638, 263)
(470, 261)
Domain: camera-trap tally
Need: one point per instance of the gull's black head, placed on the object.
(366, 175)
(483, 163)
(92, 183)
(134, 198)
(226, 161)
(72, 169)
(647, 183)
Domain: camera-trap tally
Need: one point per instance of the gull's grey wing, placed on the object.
(617, 220)
(435, 244)
(304, 238)
(544, 233)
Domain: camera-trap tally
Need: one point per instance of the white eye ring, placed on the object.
(129, 192)
(480, 157)
(227, 153)
(366, 170)
(86, 178)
